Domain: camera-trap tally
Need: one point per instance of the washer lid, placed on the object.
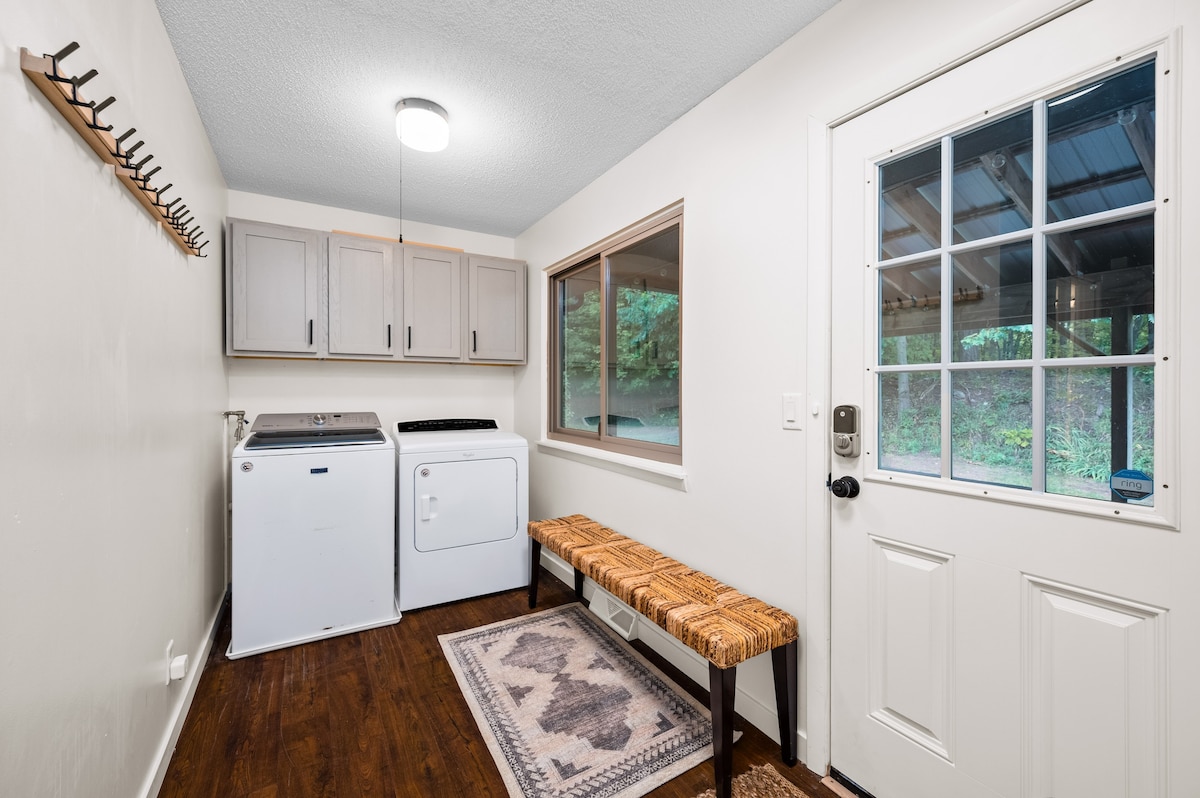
(302, 430)
(284, 439)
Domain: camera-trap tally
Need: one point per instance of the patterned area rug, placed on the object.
(763, 781)
(569, 709)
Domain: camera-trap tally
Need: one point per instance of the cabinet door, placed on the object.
(360, 296)
(274, 290)
(495, 309)
(432, 303)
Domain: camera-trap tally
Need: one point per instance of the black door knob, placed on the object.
(844, 487)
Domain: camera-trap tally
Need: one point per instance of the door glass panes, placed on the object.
(910, 319)
(1100, 290)
(991, 312)
(910, 204)
(1041, 274)
(991, 429)
(910, 422)
(1098, 421)
(992, 191)
(643, 346)
(579, 352)
(1100, 145)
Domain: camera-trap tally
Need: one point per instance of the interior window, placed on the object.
(616, 317)
(1017, 329)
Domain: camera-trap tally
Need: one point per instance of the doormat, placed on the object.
(569, 709)
(763, 781)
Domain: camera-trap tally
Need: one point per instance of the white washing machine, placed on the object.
(462, 506)
(313, 530)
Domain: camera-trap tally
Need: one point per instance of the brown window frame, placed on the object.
(598, 254)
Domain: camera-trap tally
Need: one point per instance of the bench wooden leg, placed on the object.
(783, 663)
(721, 689)
(535, 570)
(579, 585)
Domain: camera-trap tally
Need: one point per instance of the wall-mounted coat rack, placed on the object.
(84, 116)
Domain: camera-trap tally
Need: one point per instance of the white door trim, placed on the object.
(971, 55)
(817, 649)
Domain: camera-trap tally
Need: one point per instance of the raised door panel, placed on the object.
(1096, 709)
(911, 643)
(360, 297)
(495, 309)
(275, 288)
(432, 300)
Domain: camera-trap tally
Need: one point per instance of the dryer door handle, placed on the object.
(428, 507)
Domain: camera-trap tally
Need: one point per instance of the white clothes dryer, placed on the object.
(313, 537)
(462, 507)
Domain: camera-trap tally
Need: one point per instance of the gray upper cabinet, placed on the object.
(361, 296)
(273, 297)
(301, 293)
(432, 304)
(495, 309)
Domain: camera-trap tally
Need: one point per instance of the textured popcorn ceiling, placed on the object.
(298, 96)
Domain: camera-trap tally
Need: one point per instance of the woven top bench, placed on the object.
(716, 621)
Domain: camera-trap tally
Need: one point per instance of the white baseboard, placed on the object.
(762, 716)
(192, 681)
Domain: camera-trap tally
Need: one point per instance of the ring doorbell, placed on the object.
(845, 431)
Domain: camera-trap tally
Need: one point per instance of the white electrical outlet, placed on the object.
(170, 655)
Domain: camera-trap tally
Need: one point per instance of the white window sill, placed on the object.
(667, 474)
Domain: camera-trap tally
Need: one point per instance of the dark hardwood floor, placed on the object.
(376, 713)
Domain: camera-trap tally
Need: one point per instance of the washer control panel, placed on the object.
(297, 422)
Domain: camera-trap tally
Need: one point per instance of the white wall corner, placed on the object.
(154, 779)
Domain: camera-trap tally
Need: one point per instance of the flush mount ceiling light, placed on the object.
(422, 125)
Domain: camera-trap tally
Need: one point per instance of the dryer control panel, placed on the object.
(446, 424)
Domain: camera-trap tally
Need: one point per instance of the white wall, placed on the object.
(110, 411)
(114, 378)
(261, 208)
(740, 161)
(395, 391)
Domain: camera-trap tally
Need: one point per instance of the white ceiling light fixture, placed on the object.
(422, 125)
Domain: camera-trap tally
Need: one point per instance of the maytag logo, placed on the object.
(468, 454)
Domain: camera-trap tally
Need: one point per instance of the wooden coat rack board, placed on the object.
(84, 116)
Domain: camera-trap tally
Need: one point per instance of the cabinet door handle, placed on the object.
(389, 336)
(310, 321)
(474, 348)
(410, 336)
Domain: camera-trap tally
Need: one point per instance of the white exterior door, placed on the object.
(1013, 275)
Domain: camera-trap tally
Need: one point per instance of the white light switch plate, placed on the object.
(793, 406)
